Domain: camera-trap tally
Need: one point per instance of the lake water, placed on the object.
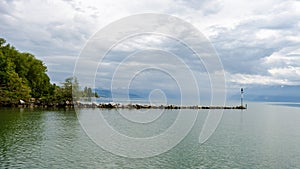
(263, 136)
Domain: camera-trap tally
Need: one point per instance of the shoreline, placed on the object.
(112, 105)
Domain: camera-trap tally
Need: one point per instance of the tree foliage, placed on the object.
(22, 76)
(12, 86)
(88, 93)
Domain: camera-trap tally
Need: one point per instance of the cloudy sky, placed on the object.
(258, 42)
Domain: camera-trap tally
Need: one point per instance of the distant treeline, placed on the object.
(22, 77)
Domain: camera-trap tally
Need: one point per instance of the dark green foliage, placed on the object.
(12, 86)
(66, 89)
(88, 94)
(22, 76)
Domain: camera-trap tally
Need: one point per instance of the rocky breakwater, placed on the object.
(112, 105)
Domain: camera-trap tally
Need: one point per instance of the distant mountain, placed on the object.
(258, 93)
(106, 93)
(103, 92)
(271, 94)
(132, 93)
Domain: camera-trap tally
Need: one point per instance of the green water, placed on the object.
(264, 136)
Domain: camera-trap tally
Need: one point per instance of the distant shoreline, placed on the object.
(288, 104)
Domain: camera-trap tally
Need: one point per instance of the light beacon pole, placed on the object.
(242, 96)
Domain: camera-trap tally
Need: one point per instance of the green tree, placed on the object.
(12, 87)
(70, 89)
(30, 69)
(21, 75)
(88, 93)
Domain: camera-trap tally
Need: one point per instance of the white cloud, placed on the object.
(141, 42)
(256, 41)
(250, 79)
(284, 57)
(286, 72)
(267, 34)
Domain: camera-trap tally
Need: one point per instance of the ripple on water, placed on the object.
(261, 137)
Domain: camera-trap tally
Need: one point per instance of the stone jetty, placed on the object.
(113, 105)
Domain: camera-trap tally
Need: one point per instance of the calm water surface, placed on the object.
(264, 136)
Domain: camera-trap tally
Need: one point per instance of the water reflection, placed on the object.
(264, 136)
(21, 136)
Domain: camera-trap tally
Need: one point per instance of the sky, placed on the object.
(258, 42)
